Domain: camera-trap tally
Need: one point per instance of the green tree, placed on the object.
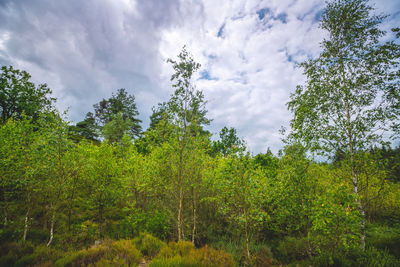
(240, 191)
(187, 111)
(121, 102)
(102, 183)
(159, 114)
(342, 106)
(229, 142)
(54, 146)
(85, 129)
(19, 95)
(20, 171)
(116, 128)
(187, 105)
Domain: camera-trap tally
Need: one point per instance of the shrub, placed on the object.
(264, 257)
(184, 253)
(385, 238)
(291, 249)
(42, 255)
(117, 253)
(148, 244)
(181, 248)
(212, 257)
(11, 252)
(176, 261)
(375, 257)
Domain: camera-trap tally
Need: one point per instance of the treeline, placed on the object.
(105, 192)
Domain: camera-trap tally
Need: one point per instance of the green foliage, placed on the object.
(229, 143)
(184, 254)
(115, 129)
(374, 257)
(11, 252)
(42, 256)
(85, 129)
(341, 105)
(384, 238)
(335, 221)
(117, 253)
(113, 118)
(187, 105)
(148, 244)
(292, 249)
(19, 95)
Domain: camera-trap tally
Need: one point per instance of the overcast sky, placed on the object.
(85, 50)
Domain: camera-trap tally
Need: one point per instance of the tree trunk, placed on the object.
(247, 236)
(194, 215)
(360, 206)
(355, 177)
(180, 208)
(52, 227)
(26, 224)
(5, 208)
(101, 221)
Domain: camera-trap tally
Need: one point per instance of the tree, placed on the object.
(187, 114)
(107, 109)
(187, 105)
(115, 129)
(52, 165)
(229, 142)
(159, 114)
(241, 189)
(19, 95)
(344, 105)
(85, 129)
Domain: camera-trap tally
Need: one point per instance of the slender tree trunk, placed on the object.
(71, 200)
(52, 227)
(246, 229)
(5, 208)
(355, 177)
(101, 221)
(360, 206)
(194, 215)
(26, 224)
(180, 215)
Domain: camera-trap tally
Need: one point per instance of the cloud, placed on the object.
(249, 49)
(85, 50)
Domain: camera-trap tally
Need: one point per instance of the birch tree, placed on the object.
(344, 104)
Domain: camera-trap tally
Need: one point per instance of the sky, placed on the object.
(248, 51)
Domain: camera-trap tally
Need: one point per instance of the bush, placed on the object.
(42, 255)
(148, 244)
(181, 248)
(291, 249)
(184, 253)
(212, 257)
(385, 238)
(176, 261)
(375, 257)
(264, 257)
(11, 252)
(118, 253)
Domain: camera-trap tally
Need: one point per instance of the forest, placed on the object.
(105, 192)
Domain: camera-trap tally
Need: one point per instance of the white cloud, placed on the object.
(87, 50)
(250, 62)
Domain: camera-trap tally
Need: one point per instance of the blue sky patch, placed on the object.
(205, 75)
(262, 12)
(282, 17)
(221, 31)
